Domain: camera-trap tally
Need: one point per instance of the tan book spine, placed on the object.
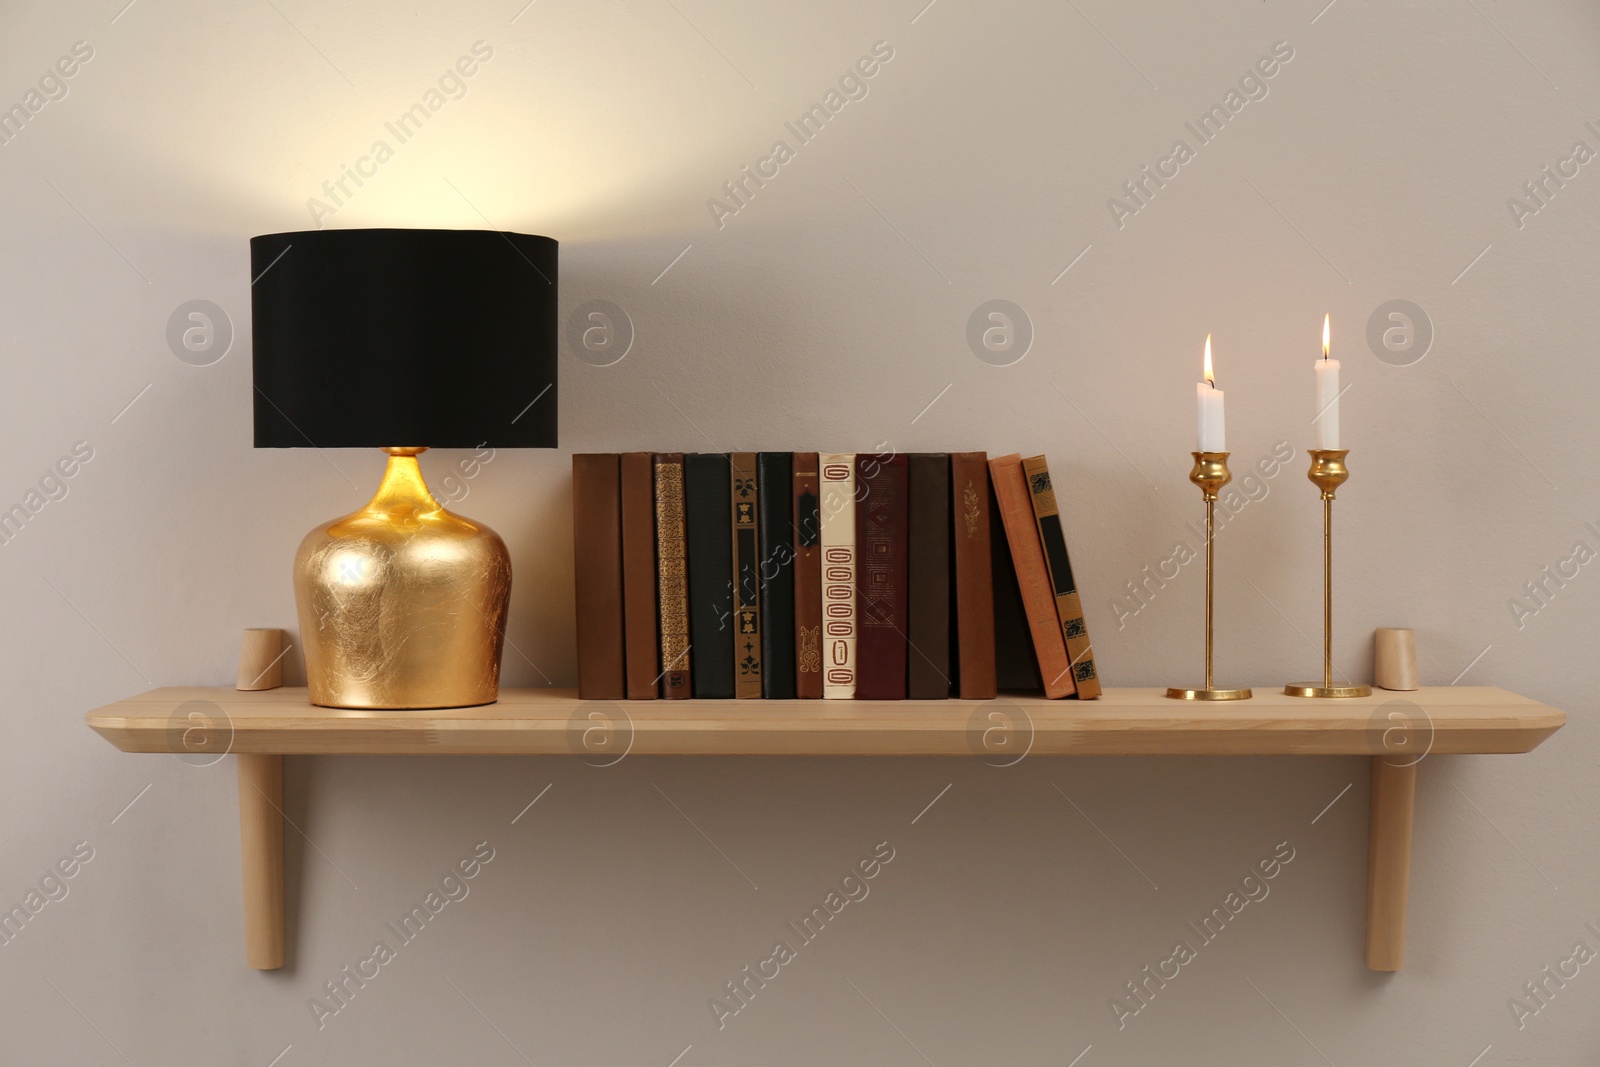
(838, 575)
(1069, 607)
(672, 577)
(1033, 577)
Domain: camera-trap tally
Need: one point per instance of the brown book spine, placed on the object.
(597, 570)
(807, 576)
(1069, 607)
(969, 501)
(928, 578)
(746, 578)
(672, 577)
(639, 575)
(1033, 576)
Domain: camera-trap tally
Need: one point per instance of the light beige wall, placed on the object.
(829, 312)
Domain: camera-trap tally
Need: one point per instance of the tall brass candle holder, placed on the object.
(1327, 473)
(1210, 473)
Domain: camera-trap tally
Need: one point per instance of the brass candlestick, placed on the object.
(1327, 473)
(1210, 473)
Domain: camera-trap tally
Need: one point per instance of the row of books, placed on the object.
(785, 575)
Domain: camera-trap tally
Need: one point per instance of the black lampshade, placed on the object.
(374, 338)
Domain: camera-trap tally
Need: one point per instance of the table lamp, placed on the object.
(403, 340)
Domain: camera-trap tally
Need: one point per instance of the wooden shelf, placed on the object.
(1396, 730)
(1123, 722)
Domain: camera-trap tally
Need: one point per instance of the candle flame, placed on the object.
(1211, 378)
(1325, 319)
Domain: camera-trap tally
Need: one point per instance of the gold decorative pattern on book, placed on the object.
(810, 658)
(746, 575)
(969, 510)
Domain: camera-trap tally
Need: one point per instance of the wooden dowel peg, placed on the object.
(261, 848)
(261, 659)
(1394, 659)
(1394, 792)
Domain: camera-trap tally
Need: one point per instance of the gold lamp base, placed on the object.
(402, 604)
(1336, 692)
(1175, 693)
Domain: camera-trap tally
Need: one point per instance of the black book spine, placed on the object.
(708, 526)
(1016, 664)
(776, 503)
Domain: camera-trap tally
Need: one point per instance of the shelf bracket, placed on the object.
(1394, 793)
(261, 846)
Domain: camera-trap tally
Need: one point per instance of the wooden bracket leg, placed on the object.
(261, 844)
(1394, 792)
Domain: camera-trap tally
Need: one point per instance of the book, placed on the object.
(708, 528)
(672, 577)
(776, 519)
(881, 533)
(838, 574)
(928, 577)
(1016, 667)
(597, 575)
(807, 576)
(974, 577)
(641, 650)
(1033, 576)
(746, 577)
(1069, 607)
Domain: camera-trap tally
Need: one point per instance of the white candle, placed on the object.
(1327, 418)
(1212, 435)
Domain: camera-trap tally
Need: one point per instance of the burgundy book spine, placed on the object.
(881, 551)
